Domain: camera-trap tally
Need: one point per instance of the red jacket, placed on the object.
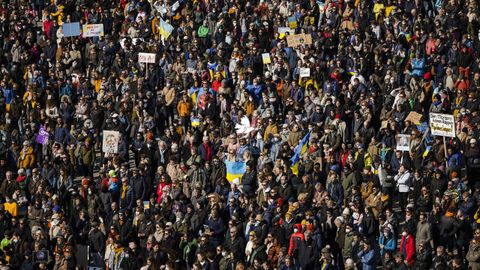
(407, 249)
(295, 239)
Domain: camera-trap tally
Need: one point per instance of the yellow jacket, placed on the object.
(11, 208)
(271, 129)
(59, 14)
(26, 160)
(184, 108)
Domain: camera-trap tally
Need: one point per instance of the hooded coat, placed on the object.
(296, 239)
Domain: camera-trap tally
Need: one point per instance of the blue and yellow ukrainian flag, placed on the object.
(165, 28)
(195, 121)
(235, 169)
(300, 149)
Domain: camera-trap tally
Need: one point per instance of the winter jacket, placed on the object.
(424, 234)
(407, 249)
(368, 259)
(26, 159)
(473, 255)
(308, 254)
(403, 182)
(295, 240)
(389, 244)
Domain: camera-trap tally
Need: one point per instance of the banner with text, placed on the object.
(92, 30)
(442, 125)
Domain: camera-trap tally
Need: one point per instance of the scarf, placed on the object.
(21, 178)
(124, 191)
(118, 252)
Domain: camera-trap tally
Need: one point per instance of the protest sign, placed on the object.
(292, 22)
(111, 139)
(300, 39)
(71, 29)
(266, 58)
(403, 142)
(304, 72)
(92, 30)
(414, 117)
(42, 136)
(442, 125)
(146, 58)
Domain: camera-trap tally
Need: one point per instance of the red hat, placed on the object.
(427, 76)
(85, 182)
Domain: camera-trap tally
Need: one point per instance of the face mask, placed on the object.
(90, 192)
(295, 230)
(348, 230)
(404, 233)
(224, 253)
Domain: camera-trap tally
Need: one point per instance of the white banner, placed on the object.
(92, 30)
(146, 58)
(442, 125)
(111, 139)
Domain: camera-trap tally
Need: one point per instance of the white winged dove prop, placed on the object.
(244, 127)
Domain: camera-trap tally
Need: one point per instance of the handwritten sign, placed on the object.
(110, 141)
(146, 58)
(300, 39)
(304, 72)
(414, 117)
(442, 125)
(92, 30)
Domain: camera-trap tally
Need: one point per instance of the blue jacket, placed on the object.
(389, 244)
(255, 91)
(60, 135)
(455, 160)
(369, 259)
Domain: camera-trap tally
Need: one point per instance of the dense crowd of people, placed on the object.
(312, 123)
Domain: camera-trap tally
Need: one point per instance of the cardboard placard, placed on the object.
(414, 117)
(300, 39)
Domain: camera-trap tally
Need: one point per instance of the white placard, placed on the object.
(92, 30)
(146, 58)
(442, 125)
(110, 140)
(403, 142)
(304, 72)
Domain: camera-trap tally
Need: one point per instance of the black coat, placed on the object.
(125, 230)
(96, 240)
(237, 247)
(249, 181)
(308, 254)
(138, 184)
